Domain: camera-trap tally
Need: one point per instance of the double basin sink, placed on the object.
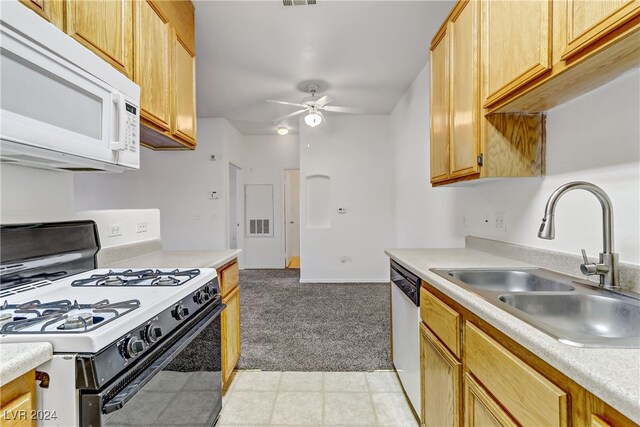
(571, 311)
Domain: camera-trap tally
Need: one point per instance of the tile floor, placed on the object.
(258, 398)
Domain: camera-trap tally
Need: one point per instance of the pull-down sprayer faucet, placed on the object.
(607, 267)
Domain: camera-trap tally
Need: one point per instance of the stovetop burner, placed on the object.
(61, 316)
(130, 277)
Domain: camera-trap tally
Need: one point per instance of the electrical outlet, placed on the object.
(115, 230)
(499, 222)
(465, 221)
(141, 227)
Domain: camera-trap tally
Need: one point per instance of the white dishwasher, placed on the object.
(405, 330)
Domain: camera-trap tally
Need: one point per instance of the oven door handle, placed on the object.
(120, 399)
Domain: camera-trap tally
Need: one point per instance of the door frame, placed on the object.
(284, 212)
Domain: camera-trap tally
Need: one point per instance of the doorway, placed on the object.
(292, 217)
(234, 208)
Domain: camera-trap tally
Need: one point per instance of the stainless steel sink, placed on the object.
(509, 281)
(582, 319)
(571, 310)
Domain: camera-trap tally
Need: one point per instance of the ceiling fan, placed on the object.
(312, 106)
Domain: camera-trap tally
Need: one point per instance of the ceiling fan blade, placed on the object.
(322, 101)
(324, 118)
(273, 101)
(279, 119)
(336, 109)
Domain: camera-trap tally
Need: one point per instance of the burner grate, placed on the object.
(75, 316)
(147, 277)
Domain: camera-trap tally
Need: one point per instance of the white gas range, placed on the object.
(131, 347)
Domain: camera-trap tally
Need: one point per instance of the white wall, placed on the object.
(178, 184)
(29, 194)
(595, 138)
(265, 159)
(38, 195)
(356, 153)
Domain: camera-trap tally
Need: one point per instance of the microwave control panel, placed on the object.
(131, 128)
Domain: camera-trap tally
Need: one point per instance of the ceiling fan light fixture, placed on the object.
(313, 119)
(282, 130)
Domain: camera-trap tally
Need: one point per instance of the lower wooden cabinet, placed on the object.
(230, 333)
(495, 381)
(440, 374)
(481, 409)
(17, 401)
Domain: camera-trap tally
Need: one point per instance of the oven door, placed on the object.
(181, 384)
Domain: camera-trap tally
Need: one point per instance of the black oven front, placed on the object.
(179, 384)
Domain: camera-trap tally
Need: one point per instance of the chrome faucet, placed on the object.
(607, 267)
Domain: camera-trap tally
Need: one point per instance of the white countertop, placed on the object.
(613, 375)
(16, 359)
(182, 259)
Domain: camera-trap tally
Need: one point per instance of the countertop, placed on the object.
(16, 359)
(612, 375)
(182, 259)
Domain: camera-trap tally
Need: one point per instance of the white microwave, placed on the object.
(61, 106)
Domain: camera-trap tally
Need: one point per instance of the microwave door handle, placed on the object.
(117, 144)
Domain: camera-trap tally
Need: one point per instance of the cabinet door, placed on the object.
(590, 21)
(440, 110)
(230, 325)
(152, 71)
(105, 27)
(516, 45)
(480, 409)
(51, 10)
(440, 376)
(463, 137)
(17, 413)
(184, 78)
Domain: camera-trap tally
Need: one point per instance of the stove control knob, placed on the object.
(152, 332)
(200, 297)
(180, 312)
(133, 347)
(211, 291)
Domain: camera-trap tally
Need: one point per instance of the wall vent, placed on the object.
(298, 2)
(259, 227)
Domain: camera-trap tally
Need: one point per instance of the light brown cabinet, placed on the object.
(440, 108)
(516, 45)
(495, 381)
(590, 21)
(465, 144)
(51, 10)
(105, 27)
(17, 401)
(440, 374)
(582, 45)
(228, 278)
(481, 409)
(184, 94)
(152, 65)
(463, 63)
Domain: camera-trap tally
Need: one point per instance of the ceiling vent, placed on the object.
(298, 2)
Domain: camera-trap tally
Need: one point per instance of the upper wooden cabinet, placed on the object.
(105, 27)
(153, 65)
(466, 145)
(440, 109)
(152, 43)
(184, 80)
(463, 57)
(589, 21)
(587, 44)
(516, 44)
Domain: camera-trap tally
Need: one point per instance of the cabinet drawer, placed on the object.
(229, 279)
(17, 413)
(441, 319)
(529, 397)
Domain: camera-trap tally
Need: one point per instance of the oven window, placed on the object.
(187, 392)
